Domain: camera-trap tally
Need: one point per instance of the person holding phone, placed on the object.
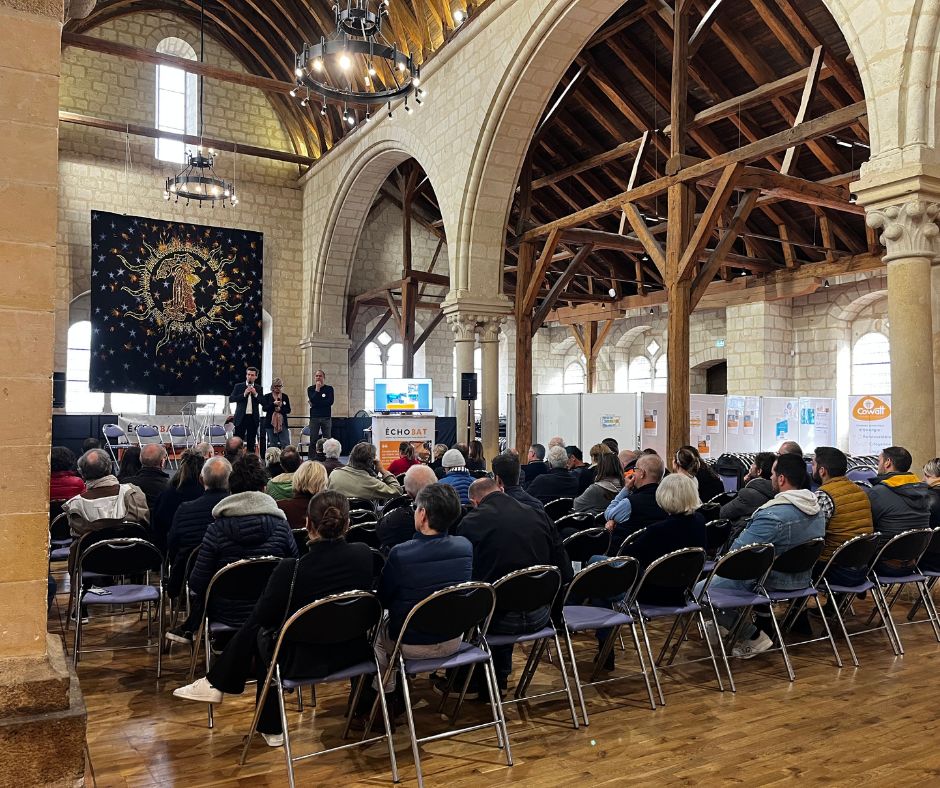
(320, 397)
(247, 399)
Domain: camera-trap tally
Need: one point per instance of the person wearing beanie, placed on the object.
(456, 474)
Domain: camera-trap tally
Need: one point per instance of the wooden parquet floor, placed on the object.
(875, 724)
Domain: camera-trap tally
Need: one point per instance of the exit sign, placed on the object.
(719, 343)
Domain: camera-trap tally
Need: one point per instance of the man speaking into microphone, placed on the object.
(321, 406)
(247, 399)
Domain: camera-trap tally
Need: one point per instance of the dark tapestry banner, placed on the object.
(175, 307)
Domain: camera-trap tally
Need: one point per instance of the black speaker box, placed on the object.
(468, 386)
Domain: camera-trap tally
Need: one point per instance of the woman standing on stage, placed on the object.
(276, 406)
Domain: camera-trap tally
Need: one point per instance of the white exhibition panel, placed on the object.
(707, 424)
(742, 425)
(779, 421)
(558, 414)
(869, 423)
(652, 422)
(817, 423)
(608, 416)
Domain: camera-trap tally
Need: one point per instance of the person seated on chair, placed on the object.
(437, 455)
(332, 448)
(105, 503)
(272, 461)
(690, 462)
(587, 473)
(183, 487)
(535, 464)
(399, 524)
(406, 458)
(90, 443)
(559, 482)
(757, 490)
(308, 480)
(457, 475)
(506, 471)
(205, 450)
(151, 478)
(791, 447)
(476, 460)
(235, 449)
(281, 486)
(247, 524)
(790, 518)
(507, 535)
(64, 481)
(130, 463)
(635, 506)
(192, 519)
(608, 481)
(330, 566)
(364, 477)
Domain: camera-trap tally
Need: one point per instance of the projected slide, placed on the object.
(405, 395)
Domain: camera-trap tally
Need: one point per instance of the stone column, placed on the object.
(42, 716)
(489, 341)
(935, 298)
(909, 235)
(464, 327)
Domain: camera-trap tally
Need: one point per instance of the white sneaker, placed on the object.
(273, 739)
(712, 635)
(200, 690)
(745, 649)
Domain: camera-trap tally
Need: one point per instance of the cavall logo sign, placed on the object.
(871, 409)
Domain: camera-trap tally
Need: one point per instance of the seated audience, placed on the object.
(535, 464)
(790, 518)
(845, 507)
(247, 524)
(399, 524)
(151, 478)
(424, 456)
(611, 443)
(506, 470)
(192, 519)
(587, 473)
(364, 476)
(330, 566)
(308, 480)
(64, 481)
(318, 454)
(457, 475)
(130, 463)
(506, 536)
(757, 490)
(475, 460)
(635, 506)
(559, 482)
(608, 482)
(436, 457)
(332, 448)
(90, 443)
(235, 449)
(791, 447)
(690, 462)
(105, 502)
(406, 458)
(932, 480)
(205, 450)
(575, 459)
(272, 461)
(183, 487)
(281, 486)
(627, 459)
(557, 440)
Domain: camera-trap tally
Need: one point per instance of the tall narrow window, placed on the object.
(78, 399)
(638, 375)
(871, 365)
(573, 381)
(177, 100)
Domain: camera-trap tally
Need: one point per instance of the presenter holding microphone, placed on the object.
(320, 397)
(247, 399)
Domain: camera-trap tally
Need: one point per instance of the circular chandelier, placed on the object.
(198, 181)
(329, 69)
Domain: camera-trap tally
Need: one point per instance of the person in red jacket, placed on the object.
(64, 482)
(406, 458)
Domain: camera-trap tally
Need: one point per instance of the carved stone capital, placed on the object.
(463, 325)
(489, 327)
(908, 229)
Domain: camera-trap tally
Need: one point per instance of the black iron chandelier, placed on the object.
(329, 70)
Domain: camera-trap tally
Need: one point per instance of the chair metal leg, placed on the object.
(929, 607)
(832, 640)
(577, 677)
(669, 637)
(564, 678)
(78, 632)
(160, 614)
(529, 669)
(403, 678)
(360, 683)
(649, 652)
(283, 710)
(783, 645)
(681, 639)
(265, 688)
(386, 719)
(721, 647)
(646, 677)
(498, 717)
(845, 633)
(300, 700)
(208, 648)
(711, 651)
(888, 620)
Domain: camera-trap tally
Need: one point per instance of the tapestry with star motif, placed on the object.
(175, 307)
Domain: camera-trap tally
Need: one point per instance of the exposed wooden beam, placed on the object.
(621, 151)
(523, 397)
(645, 237)
(786, 187)
(376, 330)
(718, 256)
(706, 225)
(701, 29)
(428, 331)
(559, 287)
(544, 262)
(809, 90)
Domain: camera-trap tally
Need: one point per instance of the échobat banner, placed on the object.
(869, 423)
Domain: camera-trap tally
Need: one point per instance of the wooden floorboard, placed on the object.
(831, 726)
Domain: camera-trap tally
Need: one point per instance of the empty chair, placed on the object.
(558, 508)
(304, 446)
(115, 439)
(363, 532)
(361, 503)
(181, 438)
(397, 502)
(582, 546)
(147, 434)
(215, 435)
(360, 516)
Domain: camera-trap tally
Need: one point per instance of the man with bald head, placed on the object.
(507, 535)
(791, 447)
(635, 506)
(151, 478)
(399, 524)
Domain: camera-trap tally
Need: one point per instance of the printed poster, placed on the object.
(650, 422)
(869, 423)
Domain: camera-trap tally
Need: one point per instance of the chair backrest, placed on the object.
(527, 589)
(395, 503)
(579, 521)
(364, 533)
(378, 562)
(242, 580)
(722, 498)
(716, 536)
(148, 433)
(559, 507)
(361, 503)
(332, 620)
(178, 433)
(582, 545)
(301, 538)
(861, 474)
(679, 569)
(855, 553)
(631, 538)
(114, 434)
(481, 474)
(801, 558)
(59, 529)
(750, 562)
(731, 482)
(933, 547)
(360, 516)
(600, 520)
(125, 530)
(605, 579)
(907, 546)
(452, 611)
(710, 511)
(121, 556)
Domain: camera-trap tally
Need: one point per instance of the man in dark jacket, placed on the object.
(247, 399)
(247, 524)
(193, 517)
(899, 500)
(535, 464)
(151, 478)
(399, 524)
(506, 536)
(506, 471)
(559, 482)
(320, 396)
(635, 506)
(756, 491)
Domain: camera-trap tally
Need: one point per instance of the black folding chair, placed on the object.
(60, 538)
(361, 503)
(179, 597)
(751, 563)
(240, 581)
(722, 498)
(364, 533)
(574, 522)
(929, 566)
(126, 557)
(558, 508)
(631, 538)
(582, 546)
(301, 539)
(378, 564)
(396, 503)
(327, 622)
(717, 539)
(361, 516)
(606, 579)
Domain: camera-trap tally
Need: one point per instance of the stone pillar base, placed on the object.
(42, 721)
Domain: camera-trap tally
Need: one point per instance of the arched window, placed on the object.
(383, 359)
(78, 399)
(177, 100)
(871, 365)
(573, 381)
(639, 374)
(659, 379)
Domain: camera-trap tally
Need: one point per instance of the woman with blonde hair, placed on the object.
(309, 479)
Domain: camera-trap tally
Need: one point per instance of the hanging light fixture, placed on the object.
(331, 67)
(197, 179)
